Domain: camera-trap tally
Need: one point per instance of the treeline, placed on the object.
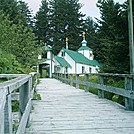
(18, 50)
(21, 35)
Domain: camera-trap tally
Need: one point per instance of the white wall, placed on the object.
(87, 70)
(77, 67)
(71, 62)
(86, 53)
(49, 55)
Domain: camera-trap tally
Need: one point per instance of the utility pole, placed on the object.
(131, 36)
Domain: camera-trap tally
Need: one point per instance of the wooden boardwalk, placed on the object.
(66, 110)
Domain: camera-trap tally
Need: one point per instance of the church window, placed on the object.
(63, 53)
(66, 70)
(90, 69)
(90, 54)
(83, 69)
(44, 55)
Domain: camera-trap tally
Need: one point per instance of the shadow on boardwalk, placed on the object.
(66, 110)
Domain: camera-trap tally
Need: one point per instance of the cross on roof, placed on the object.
(84, 37)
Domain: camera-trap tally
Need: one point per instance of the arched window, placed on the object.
(83, 69)
(90, 70)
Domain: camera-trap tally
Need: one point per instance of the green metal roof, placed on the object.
(84, 48)
(79, 58)
(62, 61)
(46, 48)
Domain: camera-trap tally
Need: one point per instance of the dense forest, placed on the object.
(22, 34)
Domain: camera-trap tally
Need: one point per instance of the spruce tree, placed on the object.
(41, 28)
(113, 48)
(66, 21)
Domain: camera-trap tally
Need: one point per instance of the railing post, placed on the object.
(77, 81)
(71, 80)
(8, 128)
(62, 77)
(86, 80)
(65, 78)
(24, 97)
(101, 92)
(67, 81)
(2, 122)
(129, 85)
(58, 76)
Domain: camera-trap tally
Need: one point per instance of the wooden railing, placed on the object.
(127, 91)
(23, 83)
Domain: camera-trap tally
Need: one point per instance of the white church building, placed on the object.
(68, 61)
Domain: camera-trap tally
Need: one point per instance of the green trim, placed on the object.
(84, 48)
(79, 58)
(62, 61)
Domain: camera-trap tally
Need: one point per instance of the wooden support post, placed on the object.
(131, 36)
(67, 81)
(2, 120)
(8, 128)
(101, 92)
(62, 77)
(86, 80)
(129, 85)
(71, 80)
(24, 97)
(65, 78)
(59, 76)
(77, 81)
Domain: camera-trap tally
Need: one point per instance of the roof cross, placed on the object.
(84, 37)
(66, 43)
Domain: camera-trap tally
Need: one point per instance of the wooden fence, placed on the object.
(127, 91)
(23, 83)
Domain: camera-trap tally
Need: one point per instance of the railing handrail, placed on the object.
(127, 91)
(24, 83)
(104, 74)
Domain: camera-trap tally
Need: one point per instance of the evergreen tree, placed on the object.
(9, 64)
(66, 21)
(17, 11)
(10, 8)
(42, 22)
(25, 14)
(19, 41)
(90, 28)
(57, 20)
(112, 34)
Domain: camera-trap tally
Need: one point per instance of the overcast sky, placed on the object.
(89, 7)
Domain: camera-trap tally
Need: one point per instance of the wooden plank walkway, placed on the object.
(66, 110)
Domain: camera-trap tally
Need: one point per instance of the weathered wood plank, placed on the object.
(24, 119)
(119, 91)
(65, 109)
(8, 127)
(15, 83)
(101, 92)
(10, 75)
(3, 93)
(24, 82)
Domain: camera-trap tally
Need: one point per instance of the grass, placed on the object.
(3, 80)
(36, 96)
